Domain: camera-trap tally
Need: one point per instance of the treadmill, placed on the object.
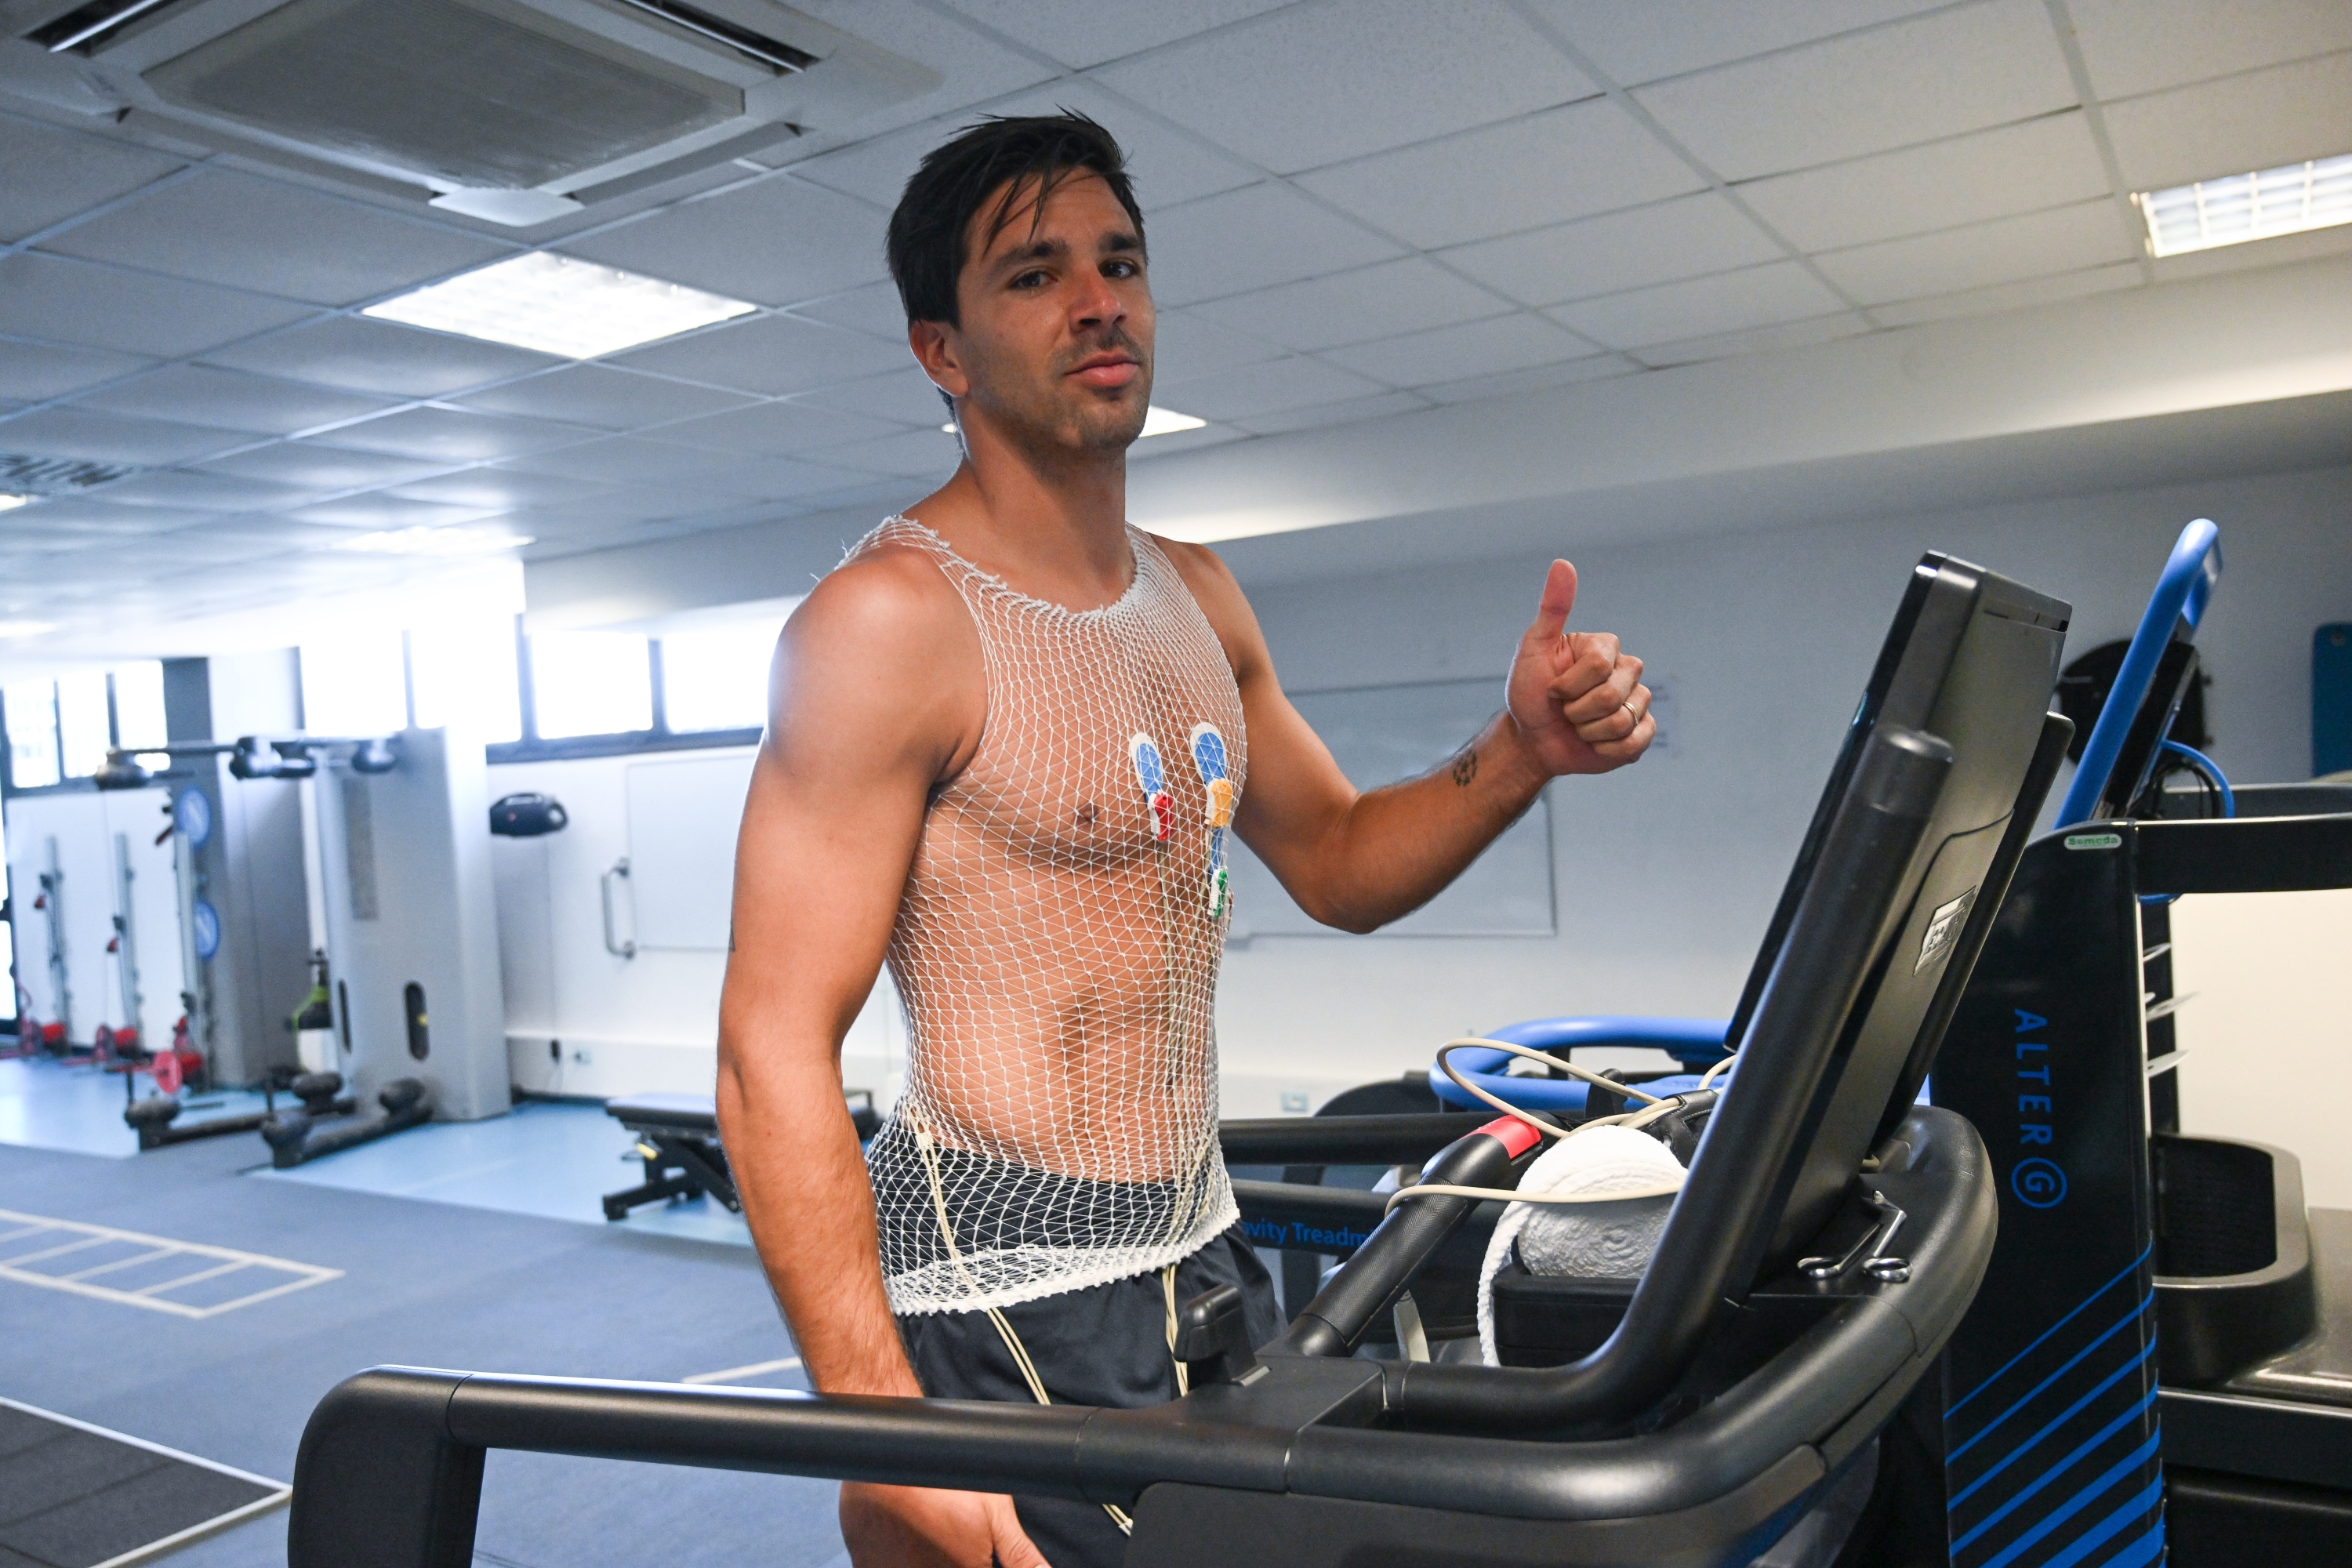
(1828, 1240)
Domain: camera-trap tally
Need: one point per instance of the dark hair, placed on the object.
(929, 229)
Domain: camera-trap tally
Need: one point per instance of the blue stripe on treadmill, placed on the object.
(2054, 1422)
(2103, 1483)
(2064, 1367)
(2110, 1527)
(2146, 1550)
(2060, 1468)
(1954, 1408)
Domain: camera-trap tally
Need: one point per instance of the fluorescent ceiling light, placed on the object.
(437, 542)
(10, 503)
(1157, 421)
(26, 629)
(2233, 208)
(559, 306)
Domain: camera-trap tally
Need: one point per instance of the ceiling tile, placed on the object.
(35, 373)
(96, 515)
(501, 489)
(2043, 162)
(75, 302)
(1319, 82)
(453, 435)
(222, 227)
(1754, 341)
(2030, 245)
(605, 397)
(776, 429)
(873, 310)
(1636, 44)
(106, 438)
(1547, 168)
(198, 489)
(1515, 342)
(1081, 32)
(201, 547)
(914, 452)
(2140, 46)
(1680, 238)
(976, 66)
(54, 173)
(2005, 296)
(1318, 416)
(1381, 300)
(1186, 347)
(1252, 238)
(2259, 120)
(200, 395)
(363, 356)
(284, 532)
(386, 511)
(774, 241)
(772, 355)
(905, 395)
(1264, 388)
(1960, 70)
(319, 468)
(1166, 166)
(1514, 383)
(1675, 312)
(624, 460)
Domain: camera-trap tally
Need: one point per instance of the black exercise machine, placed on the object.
(295, 1139)
(153, 1117)
(1733, 1391)
(677, 1138)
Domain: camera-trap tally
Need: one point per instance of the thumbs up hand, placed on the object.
(1577, 699)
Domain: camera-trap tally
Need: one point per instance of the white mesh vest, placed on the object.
(1057, 948)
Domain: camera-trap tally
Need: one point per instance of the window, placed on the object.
(591, 683)
(32, 713)
(354, 684)
(716, 677)
(85, 727)
(463, 672)
(139, 705)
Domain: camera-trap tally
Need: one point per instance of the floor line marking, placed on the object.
(790, 1363)
(120, 1263)
(225, 1260)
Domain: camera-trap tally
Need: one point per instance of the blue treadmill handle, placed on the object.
(1687, 1039)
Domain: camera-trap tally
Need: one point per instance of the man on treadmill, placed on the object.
(1008, 739)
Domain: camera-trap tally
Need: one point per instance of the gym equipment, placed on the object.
(153, 1117)
(527, 816)
(406, 1102)
(2331, 699)
(677, 1138)
(1734, 1390)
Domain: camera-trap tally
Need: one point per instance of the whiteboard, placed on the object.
(682, 821)
(1379, 735)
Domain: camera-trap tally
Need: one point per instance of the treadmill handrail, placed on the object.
(2239, 854)
(2181, 592)
(1723, 1219)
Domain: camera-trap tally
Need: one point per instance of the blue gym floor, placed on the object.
(477, 1246)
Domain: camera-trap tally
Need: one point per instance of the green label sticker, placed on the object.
(2094, 841)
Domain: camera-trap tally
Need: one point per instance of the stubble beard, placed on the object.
(1057, 422)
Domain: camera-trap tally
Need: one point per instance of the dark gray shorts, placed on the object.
(1104, 1345)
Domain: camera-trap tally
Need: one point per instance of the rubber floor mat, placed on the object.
(77, 1496)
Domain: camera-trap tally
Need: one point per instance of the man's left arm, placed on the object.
(1575, 704)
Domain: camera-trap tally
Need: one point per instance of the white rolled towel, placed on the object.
(1597, 1240)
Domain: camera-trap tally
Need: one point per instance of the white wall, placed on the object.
(1667, 871)
(620, 1025)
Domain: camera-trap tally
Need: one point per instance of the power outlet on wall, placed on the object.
(584, 1055)
(1293, 1101)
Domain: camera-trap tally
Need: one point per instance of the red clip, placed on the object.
(1512, 1133)
(1163, 815)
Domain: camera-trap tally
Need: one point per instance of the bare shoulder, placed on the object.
(1220, 598)
(882, 647)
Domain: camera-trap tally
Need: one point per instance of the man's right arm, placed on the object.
(875, 696)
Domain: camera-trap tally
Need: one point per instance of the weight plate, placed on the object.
(205, 920)
(192, 813)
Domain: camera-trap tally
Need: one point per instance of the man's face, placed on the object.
(1054, 345)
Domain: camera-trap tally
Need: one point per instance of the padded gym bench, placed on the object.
(677, 1134)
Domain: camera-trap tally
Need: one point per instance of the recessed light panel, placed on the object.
(559, 306)
(10, 503)
(2233, 208)
(437, 542)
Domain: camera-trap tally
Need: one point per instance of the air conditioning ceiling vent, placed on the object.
(512, 111)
